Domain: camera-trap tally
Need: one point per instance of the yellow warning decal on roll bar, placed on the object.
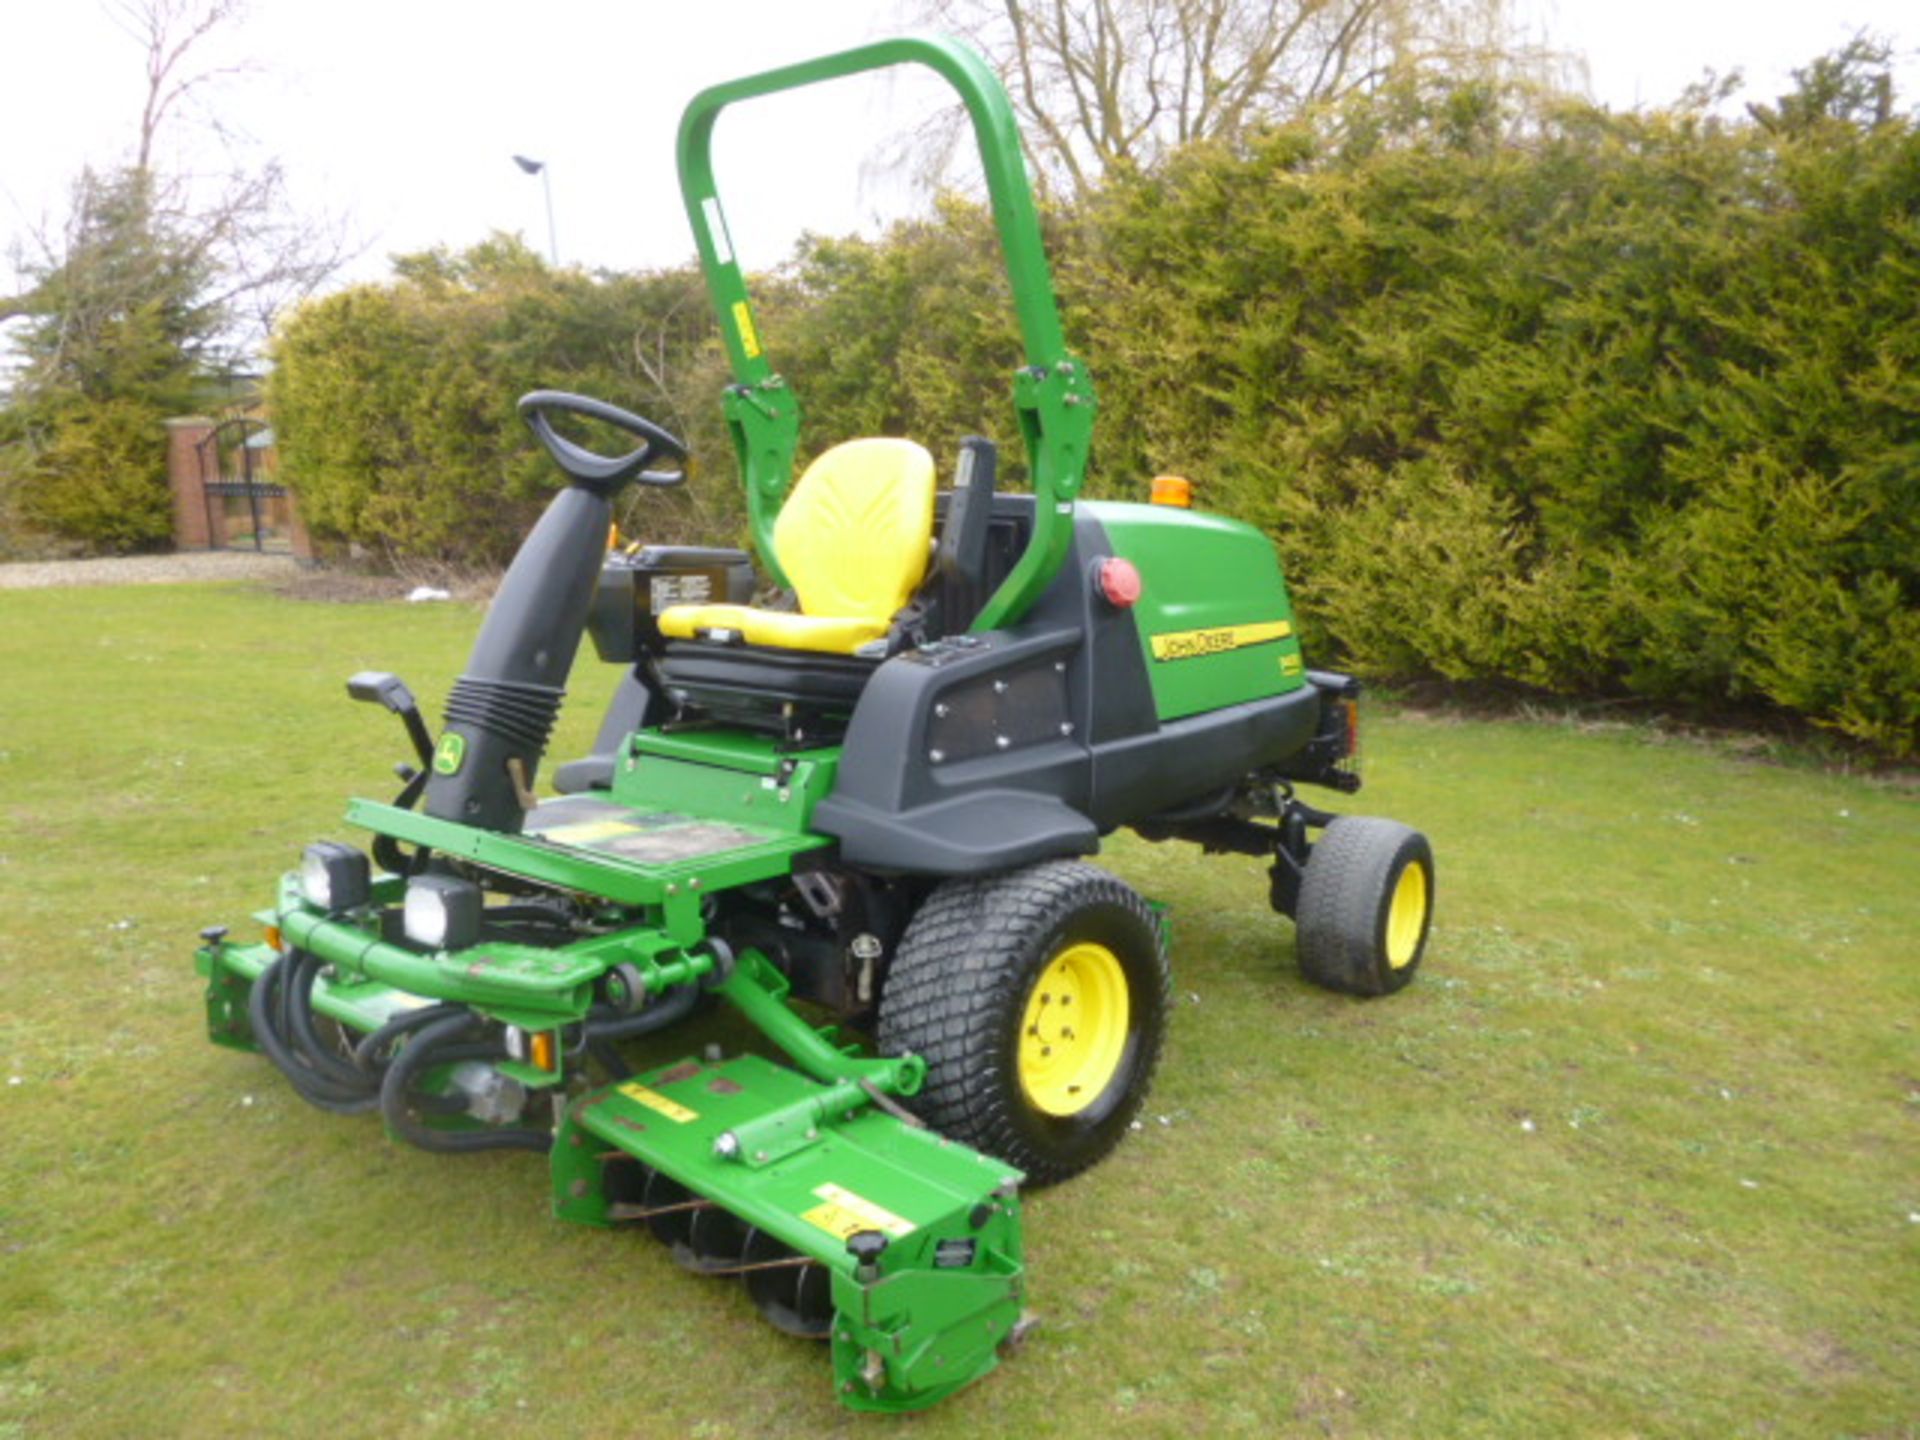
(743, 322)
(846, 1213)
(658, 1103)
(1190, 644)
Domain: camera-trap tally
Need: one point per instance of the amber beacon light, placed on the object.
(1173, 490)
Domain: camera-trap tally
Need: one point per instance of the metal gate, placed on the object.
(247, 508)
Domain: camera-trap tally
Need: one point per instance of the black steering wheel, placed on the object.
(603, 473)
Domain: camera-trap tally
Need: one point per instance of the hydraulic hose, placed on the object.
(371, 1053)
(305, 1041)
(599, 1037)
(267, 1012)
(436, 1044)
(673, 1006)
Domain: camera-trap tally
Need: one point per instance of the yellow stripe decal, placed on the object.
(657, 1102)
(1189, 644)
(846, 1213)
(743, 322)
(587, 831)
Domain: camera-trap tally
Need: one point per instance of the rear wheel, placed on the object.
(1038, 999)
(1366, 905)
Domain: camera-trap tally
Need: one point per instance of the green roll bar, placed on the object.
(1053, 395)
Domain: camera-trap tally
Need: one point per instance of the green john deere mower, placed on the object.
(875, 803)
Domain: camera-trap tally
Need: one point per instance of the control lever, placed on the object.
(377, 687)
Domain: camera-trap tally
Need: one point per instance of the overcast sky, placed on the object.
(402, 116)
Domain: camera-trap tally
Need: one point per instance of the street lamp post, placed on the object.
(539, 167)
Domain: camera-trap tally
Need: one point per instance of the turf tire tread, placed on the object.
(957, 974)
(1340, 904)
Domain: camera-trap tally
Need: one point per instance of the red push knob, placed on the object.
(1119, 582)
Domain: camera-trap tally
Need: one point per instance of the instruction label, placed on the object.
(665, 590)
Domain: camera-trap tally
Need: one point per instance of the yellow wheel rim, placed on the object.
(1074, 1030)
(1407, 916)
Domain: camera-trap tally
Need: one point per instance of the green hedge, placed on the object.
(1526, 392)
(93, 473)
(394, 404)
(1598, 404)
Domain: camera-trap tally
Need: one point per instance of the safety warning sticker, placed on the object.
(846, 1213)
(658, 1103)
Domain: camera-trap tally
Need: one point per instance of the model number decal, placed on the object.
(1189, 644)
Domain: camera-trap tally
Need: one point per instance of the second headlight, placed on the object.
(441, 912)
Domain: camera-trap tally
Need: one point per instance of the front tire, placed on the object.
(1038, 999)
(1366, 905)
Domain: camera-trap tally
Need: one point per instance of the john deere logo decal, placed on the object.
(448, 754)
(1191, 644)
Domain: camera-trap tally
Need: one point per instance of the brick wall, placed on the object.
(190, 509)
(183, 474)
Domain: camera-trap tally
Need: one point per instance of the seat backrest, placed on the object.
(855, 534)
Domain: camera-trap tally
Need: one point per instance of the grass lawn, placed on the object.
(1639, 1154)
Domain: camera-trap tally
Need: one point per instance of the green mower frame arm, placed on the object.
(1053, 395)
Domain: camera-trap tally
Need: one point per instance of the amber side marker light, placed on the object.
(1173, 490)
(540, 1050)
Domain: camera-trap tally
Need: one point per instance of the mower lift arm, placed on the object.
(1053, 394)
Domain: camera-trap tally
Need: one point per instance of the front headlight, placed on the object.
(335, 876)
(441, 913)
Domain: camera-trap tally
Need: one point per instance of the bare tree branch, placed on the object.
(205, 260)
(1099, 83)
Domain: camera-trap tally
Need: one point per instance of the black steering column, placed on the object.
(501, 711)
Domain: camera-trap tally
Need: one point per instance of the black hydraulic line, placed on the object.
(674, 1006)
(267, 1009)
(521, 911)
(315, 1077)
(610, 1060)
(427, 1048)
(600, 1034)
(269, 1029)
(305, 1041)
(369, 1054)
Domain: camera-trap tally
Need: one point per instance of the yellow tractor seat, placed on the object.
(853, 538)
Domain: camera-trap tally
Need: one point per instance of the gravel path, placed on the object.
(149, 569)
